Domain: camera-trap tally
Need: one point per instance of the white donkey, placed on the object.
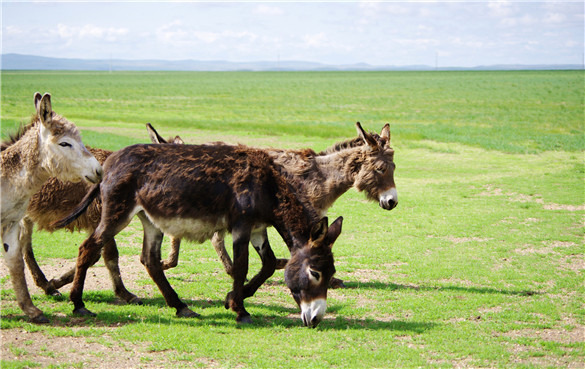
(48, 147)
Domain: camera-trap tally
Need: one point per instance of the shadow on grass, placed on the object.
(478, 290)
(212, 314)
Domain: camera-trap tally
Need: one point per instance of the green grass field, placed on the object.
(480, 265)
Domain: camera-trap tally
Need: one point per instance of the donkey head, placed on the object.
(64, 155)
(376, 174)
(309, 270)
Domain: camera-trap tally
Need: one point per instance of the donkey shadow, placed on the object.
(272, 315)
(376, 285)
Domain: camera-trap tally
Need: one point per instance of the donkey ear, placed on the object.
(334, 231)
(385, 134)
(178, 141)
(45, 110)
(319, 232)
(37, 100)
(154, 136)
(368, 139)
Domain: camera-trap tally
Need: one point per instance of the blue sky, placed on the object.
(462, 34)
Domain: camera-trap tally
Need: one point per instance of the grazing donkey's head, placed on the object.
(376, 174)
(309, 270)
(63, 154)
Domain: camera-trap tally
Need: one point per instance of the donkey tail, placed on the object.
(93, 192)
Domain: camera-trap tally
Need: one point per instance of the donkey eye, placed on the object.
(315, 274)
(65, 144)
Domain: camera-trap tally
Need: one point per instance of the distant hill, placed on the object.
(32, 62)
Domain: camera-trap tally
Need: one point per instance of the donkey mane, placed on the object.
(13, 137)
(22, 129)
(350, 144)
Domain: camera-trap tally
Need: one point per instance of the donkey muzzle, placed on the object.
(96, 176)
(389, 199)
(313, 312)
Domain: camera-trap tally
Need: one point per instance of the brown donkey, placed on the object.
(365, 162)
(191, 192)
(55, 200)
(49, 146)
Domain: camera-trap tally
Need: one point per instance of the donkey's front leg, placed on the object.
(13, 258)
(173, 258)
(219, 245)
(235, 299)
(150, 258)
(259, 240)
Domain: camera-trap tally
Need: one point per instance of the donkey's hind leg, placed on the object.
(29, 256)
(111, 258)
(89, 254)
(150, 258)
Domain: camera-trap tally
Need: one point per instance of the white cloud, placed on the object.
(500, 8)
(555, 18)
(268, 10)
(70, 33)
(12, 31)
(525, 20)
(316, 40)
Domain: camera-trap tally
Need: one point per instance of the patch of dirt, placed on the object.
(575, 263)
(549, 247)
(83, 352)
(527, 354)
(458, 240)
(490, 190)
(563, 336)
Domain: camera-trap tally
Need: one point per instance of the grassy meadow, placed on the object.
(480, 265)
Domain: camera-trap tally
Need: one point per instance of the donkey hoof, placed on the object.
(245, 319)
(336, 283)
(83, 312)
(135, 301)
(55, 293)
(40, 319)
(52, 291)
(187, 313)
(228, 300)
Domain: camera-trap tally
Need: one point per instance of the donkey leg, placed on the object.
(89, 254)
(260, 242)
(173, 258)
(218, 243)
(12, 253)
(151, 259)
(64, 279)
(235, 299)
(111, 258)
(25, 239)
